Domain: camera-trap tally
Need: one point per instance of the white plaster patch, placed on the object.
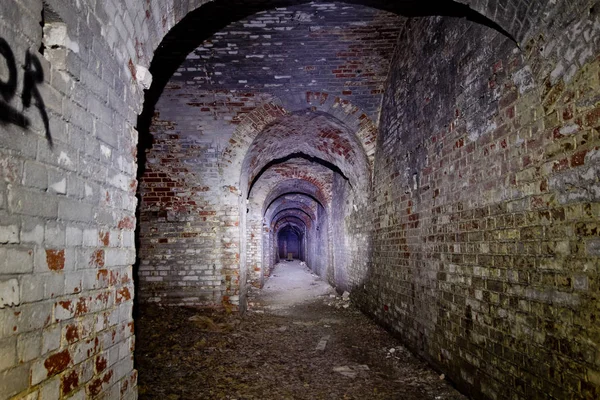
(56, 35)
(9, 293)
(593, 156)
(519, 140)
(569, 129)
(119, 181)
(144, 76)
(64, 159)
(303, 17)
(60, 186)
(586, 55)
(71, 45)
(473, 136)
(9, 234)
(105, 150)
(570, 73)
(88, 191)
(524, 79)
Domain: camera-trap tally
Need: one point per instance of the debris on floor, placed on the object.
(323, 343)
(269, 353)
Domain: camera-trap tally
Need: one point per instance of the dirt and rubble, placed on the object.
(300, 340)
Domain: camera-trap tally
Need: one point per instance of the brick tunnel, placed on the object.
(438, 163)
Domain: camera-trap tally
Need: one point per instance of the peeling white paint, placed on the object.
(64, 159)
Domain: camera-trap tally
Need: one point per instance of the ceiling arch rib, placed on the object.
(317, 137)
(296, 208)
(295, 213)
(289, 220)
(297, 186)
(305, 214)
(298, 200)
(297, 175)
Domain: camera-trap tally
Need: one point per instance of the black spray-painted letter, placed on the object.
(33, 76)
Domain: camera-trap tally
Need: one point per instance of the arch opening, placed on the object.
(290, 244)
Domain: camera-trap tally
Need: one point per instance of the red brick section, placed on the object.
(55, 260)
(313, 135)
(295, 175)
(332, 48)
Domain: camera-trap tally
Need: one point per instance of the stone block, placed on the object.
(8, 349)
(14, 380)
(16, 260)
(21, 201)
(9, 293)
(9, 233)
(32, 288)
(34, 316)
(50, 389)
(74, 236)
(70, 210)
(29, 346)
(35, 175)
(51, 338)
(90, 237)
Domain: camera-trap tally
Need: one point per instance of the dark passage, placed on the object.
(290, 244)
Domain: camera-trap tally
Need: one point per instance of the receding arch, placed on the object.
(282, 196)
(316, 136)
(177, 27)
(293, 186)
(295, 207)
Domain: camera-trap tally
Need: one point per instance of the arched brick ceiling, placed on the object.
(340, 49)
(175, 28)
(296, 208)
(303, 204)
(289, 220)
(294, 213)
(292, 187)
(313, 135)
(253, 112)
(291, 174)
(290, 227)
(288, 198)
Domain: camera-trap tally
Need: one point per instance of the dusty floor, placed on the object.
(300, 341)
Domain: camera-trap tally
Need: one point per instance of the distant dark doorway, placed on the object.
(290, 244)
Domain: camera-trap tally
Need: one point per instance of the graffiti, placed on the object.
(32, 77)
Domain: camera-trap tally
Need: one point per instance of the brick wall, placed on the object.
(67, 203)
(295, 176)
(485, 199)
(254, 92)
(486, 204)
